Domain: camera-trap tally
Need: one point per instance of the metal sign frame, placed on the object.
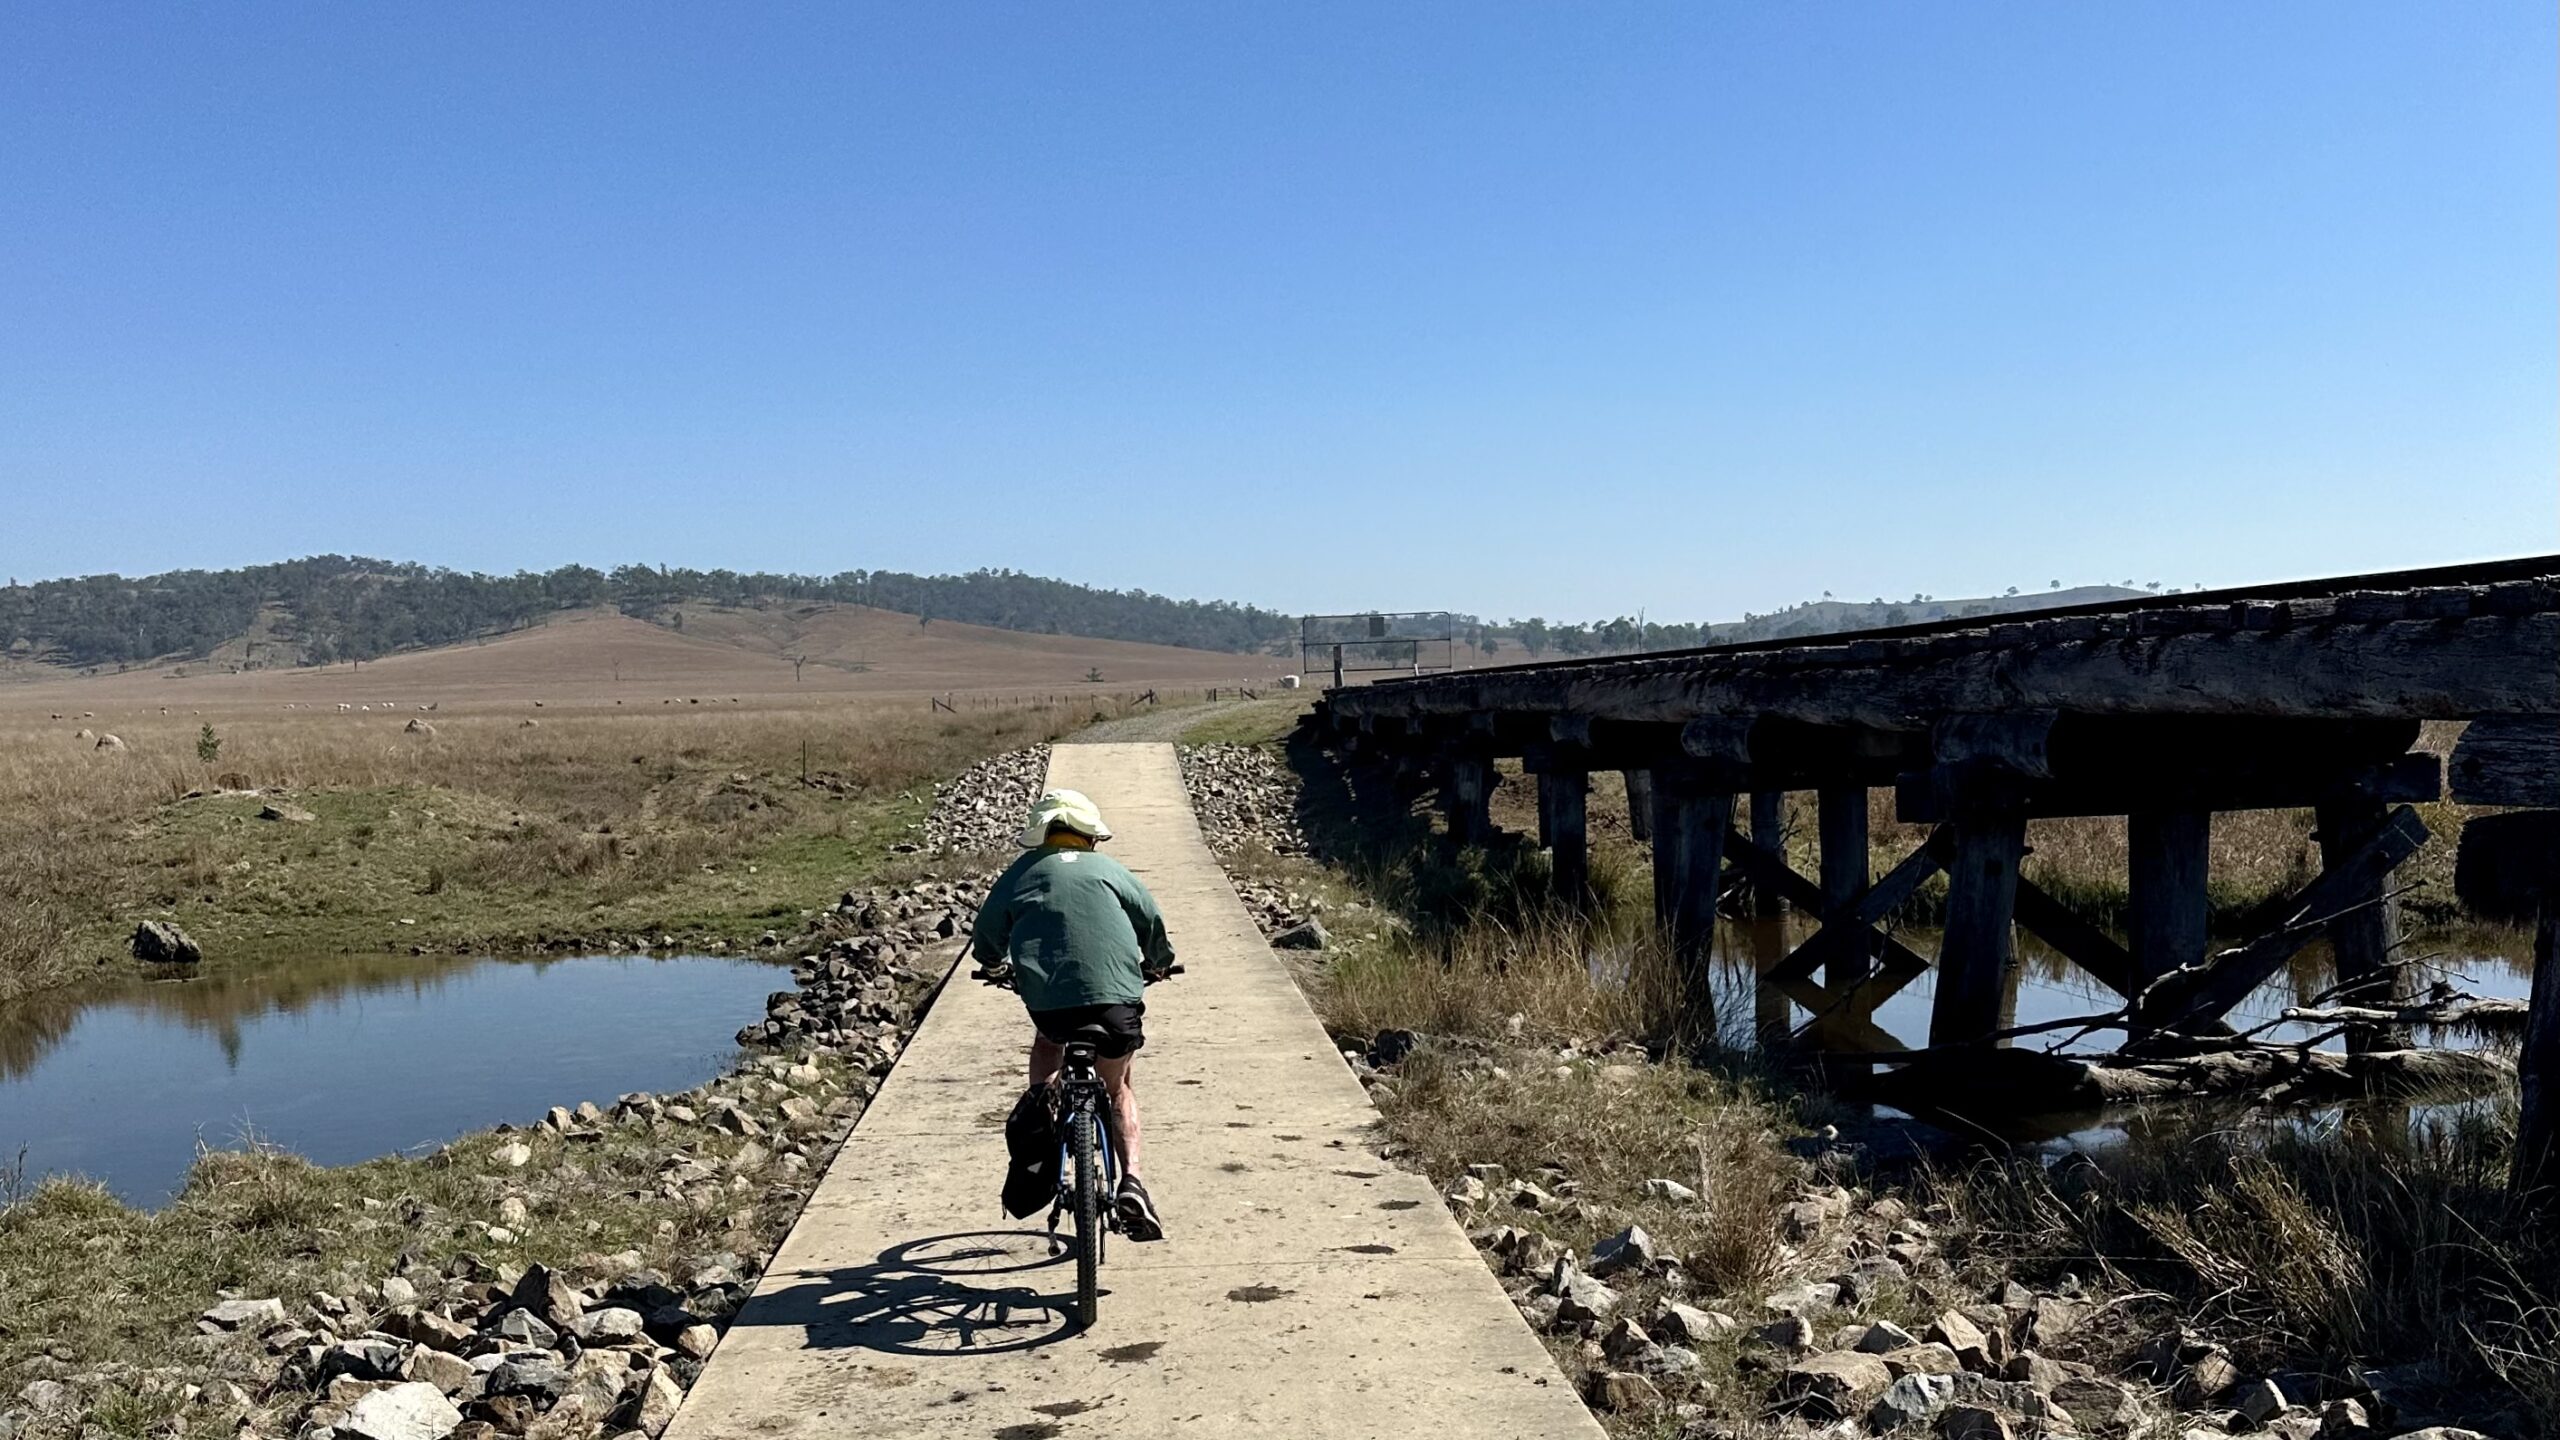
(1406, 642)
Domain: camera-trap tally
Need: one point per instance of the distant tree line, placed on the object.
(330, 608)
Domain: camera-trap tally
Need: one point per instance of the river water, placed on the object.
(343, 1058)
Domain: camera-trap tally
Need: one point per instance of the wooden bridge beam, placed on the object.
(2367, 929)
(1987, 827)
(1639, 804)
(2165, 883)
(1768, 831)
(1564, 788)
(1840, 820)
(1689, 823)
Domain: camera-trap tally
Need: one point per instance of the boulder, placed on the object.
(1306, 935)
(412, 1411)
(1582, 1298)
(158, 942)
(1619, 1391)
(450, 1374)
(1673, 1323)
(2347, 1420)
(1910, 1403)
(286, 812)
(526, 1328)
(1973, 1349)
(46, 1397)
(1793, 1333)
(612, 1326)
(364, 1358)
(254, 1316)
(1629, 1249)
(1884, 1337)
(1833, 1386)
(2101, 1405)
(651, 1404)
(547, 1293)
(697, 1341)
(1927, 1358)
(529, 1375)
(1671, 1190)
(1973, 1422)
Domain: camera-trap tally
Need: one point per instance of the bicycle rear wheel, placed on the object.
(1089, 1212)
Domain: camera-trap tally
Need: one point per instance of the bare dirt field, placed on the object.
(719, 656)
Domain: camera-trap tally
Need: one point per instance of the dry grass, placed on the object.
(2377, 1240)
(485, 832)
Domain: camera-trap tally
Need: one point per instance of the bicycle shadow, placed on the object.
(938, 1295)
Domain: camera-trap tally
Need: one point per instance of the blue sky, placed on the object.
(1570, 310)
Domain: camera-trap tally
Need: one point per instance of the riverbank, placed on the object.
(461, 832)
(555, 1280)
(1713, 1248)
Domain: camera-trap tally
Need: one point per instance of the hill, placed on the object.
(333, 608)
(598, 656)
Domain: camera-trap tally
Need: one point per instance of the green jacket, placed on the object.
(1078, 927)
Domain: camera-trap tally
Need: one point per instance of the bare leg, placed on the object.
(1047, 1057)
(1121, 1086)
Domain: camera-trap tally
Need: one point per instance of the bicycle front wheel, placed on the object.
(1089, 1214)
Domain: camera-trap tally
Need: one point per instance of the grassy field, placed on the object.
(487, 832)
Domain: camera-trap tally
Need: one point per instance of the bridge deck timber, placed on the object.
(1307, 1289)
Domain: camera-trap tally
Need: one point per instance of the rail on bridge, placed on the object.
(2165, 711)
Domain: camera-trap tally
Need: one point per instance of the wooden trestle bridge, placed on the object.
(2163, 710)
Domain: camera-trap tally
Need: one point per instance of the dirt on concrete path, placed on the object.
(1306, 1288)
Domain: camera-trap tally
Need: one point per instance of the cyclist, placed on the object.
(1083, 938)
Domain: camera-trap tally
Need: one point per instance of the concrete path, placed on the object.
(1307, 1289)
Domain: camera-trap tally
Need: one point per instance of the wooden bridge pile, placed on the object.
(2164, 711)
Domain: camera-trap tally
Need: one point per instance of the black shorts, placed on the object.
(1123, 1026)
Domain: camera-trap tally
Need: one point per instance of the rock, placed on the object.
(529, 1375)
(1928, 1358)
(287, 813)
(2443, 1432)
(1391, 1047)
(1583, 1299)
(651, 1404)
(697, 1341)
(46, 1397)
(1676, 1324)
(412, 1411)
(2259, 1400)
(612, 1326)
(1803, 1299)
(1619, 1391)
(526, 1328)
(157, 942)
(1627, 1342)
(1833, 1386)
(450, 1374)
(1911, 1402)
(1884, 1337)
(397, 1292)
(2100, 1404)
(363, 1358)
(1793, 1333)
(1972, 1422)
(1671, 1190)
(1802, 1220)
(419, 728)
(109, 742)
(549, 1294)
(1468, 1193)
(1972, 1348)
(2209, 1377)
(513, 1155)
(254, 1316)
(1629, 1249)
(426, 1328)
(1525, 1196)
(2346, 1420)
(1306, 935)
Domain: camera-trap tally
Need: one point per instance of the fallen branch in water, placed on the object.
(1977, 1080)
(2499, 1016)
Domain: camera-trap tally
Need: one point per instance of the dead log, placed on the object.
(1975, 1081)
(2487, 1017)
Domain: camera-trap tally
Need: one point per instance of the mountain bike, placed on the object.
(1088, 1168)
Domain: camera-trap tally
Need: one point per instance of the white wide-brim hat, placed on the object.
(1063, 808)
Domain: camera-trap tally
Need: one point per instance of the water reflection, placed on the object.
(342, 1058)
(2042, 987)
